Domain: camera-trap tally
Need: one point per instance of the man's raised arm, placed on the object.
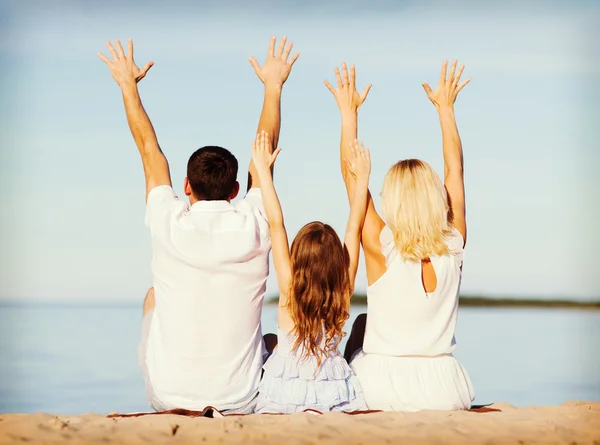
(273, 75)
(127, 75)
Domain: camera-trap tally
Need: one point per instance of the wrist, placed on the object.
(446, 109)
(362, 179)
(128, 85)
(262, 172)
(273, 88)
(348, 113)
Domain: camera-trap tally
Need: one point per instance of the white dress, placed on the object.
(406, 363)
(293, 382)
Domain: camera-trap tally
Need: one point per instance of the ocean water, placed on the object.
(75, 359)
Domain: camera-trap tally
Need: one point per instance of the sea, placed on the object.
(81, 358)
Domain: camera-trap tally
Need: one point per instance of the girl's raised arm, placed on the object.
(263, 159)
(358, 165)
(443, 98)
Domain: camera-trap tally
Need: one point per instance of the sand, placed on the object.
(571, 423)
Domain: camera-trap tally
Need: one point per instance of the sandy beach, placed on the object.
(570, 423)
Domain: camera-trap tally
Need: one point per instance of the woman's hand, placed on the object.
(447, 89)
(359, 161)
(262, 156)
(346, 95)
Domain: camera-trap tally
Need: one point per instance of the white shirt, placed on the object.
(210, 266)
(402, 319)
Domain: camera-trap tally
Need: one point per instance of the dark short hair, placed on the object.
(212, 173)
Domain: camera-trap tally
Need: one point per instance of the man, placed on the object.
(201, 334)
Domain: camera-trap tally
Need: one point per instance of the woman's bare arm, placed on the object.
(349, 101)
(443, 97)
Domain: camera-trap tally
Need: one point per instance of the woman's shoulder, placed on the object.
(454, 241)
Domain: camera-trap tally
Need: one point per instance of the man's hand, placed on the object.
(261, 154)
(122, 67)
(346, 95)
(359, 161)
(447, 89)
(276, 68)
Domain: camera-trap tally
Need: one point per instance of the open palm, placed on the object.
(448, 87)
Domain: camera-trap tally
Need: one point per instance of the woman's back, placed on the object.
(402, 318)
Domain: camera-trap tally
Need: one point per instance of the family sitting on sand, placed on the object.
(202, 343)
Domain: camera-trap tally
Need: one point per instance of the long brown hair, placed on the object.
(319, 295)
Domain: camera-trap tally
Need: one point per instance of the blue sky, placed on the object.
(73, 186)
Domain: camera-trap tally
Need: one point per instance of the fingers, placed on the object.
(103, 58)
(145, 69)
(327, 84)
(281, 47)
(264, 142)
(368, 154)
(287, 51)
(452, 71)
(462, 85)
(120, 51)
(112, 51)
(360, 149)
(294, 58)
(254, 64)
(275, 154)
(443, 72)
(353, 148)
(345, 74)
(352, 76)
(338, 78)
(348, 166)
(427, 88)
(365, 93)
(457, 78)
(130, 48)
(272, 47)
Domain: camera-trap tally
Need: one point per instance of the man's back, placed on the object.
(210, 265)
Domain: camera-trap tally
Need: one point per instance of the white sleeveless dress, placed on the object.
(406, 363)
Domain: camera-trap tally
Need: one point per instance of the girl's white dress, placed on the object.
(292, 382)
(406, 363)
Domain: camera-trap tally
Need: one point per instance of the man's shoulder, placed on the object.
(252, 200)
(161, 202)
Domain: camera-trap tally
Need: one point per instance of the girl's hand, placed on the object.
(446, 91)
(262, 157)
(359, 162)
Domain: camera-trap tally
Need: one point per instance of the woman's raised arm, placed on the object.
(443, 97)
(349, 101)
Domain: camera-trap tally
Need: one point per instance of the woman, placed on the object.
(414, 265)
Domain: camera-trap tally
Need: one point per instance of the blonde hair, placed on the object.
(319, 295)
(415, 207)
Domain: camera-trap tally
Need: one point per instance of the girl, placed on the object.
(316, 281)
(414, 266)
